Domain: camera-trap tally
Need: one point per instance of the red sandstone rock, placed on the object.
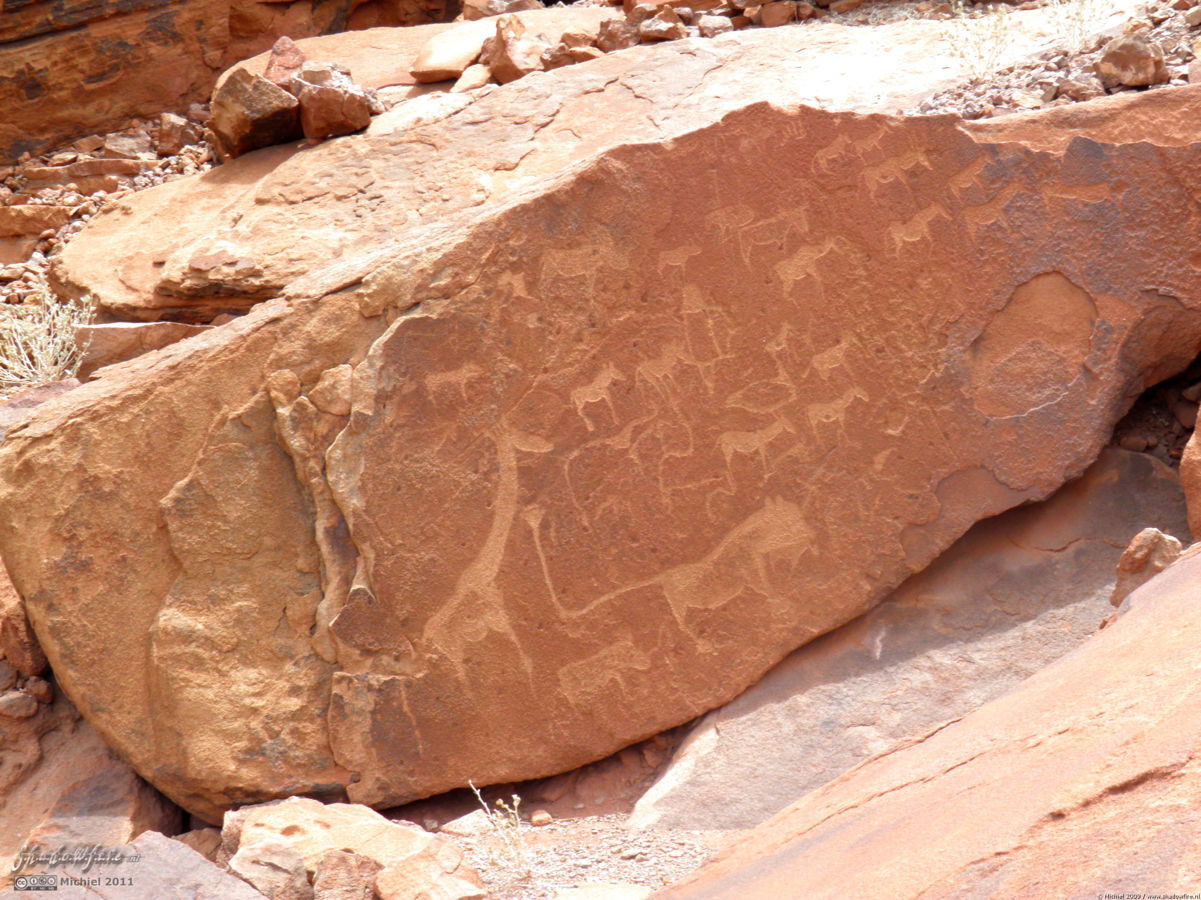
(21, 226)
(18, 644)
(480, 9)
(204, 841)
(1132, 61)
(285, 61)
(174, 132)
(167, 868)
(170, 53)
(712, 26)
(661, 27)
(1011, 596)
(562, 55)
(1190, 478)
(447, 55)
(405, 857)
(474, 76)
(587, 109)
(781, 12)
(106, 345)
(1082, 777)
(249, 113)
(512, 53)
(60, 785)
(331, 104)
(342, 875)
(616, 34)
(1150, 552)
(612, 435)
(272, 866)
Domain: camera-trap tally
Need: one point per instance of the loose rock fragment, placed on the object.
(249, 112)
(1150, 552)
(1132, 61)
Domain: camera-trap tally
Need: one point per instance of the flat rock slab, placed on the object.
(1011, 596)
(1081, 782)
(614, 447)
(107, 345)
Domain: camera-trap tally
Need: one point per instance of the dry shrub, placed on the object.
(37, 341)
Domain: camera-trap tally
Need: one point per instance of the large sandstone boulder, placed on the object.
(1080, 783)
(1011, 596)
(74, 67)
(615, 445)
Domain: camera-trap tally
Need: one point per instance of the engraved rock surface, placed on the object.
(1082, 779)
(621, 435)
(1012, 595)
(343, 200)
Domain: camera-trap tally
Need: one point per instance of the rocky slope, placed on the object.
(75, 67)
(1082, 781)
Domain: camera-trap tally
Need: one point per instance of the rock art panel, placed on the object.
(435, 156)
(615, 446)
(1011, 596)
(1081, 780)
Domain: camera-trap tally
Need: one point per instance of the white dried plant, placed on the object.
(37, 341)
(980, 34)
(1075, 21)
(510, 829)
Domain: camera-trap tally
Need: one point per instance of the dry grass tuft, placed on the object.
(510, 829)
(980, 36)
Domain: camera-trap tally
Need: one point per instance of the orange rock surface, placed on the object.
(618, 440)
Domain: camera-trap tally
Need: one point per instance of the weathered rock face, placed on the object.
(344, 199)
(105, 345)
(18, 645)
(1011, 596)
(76, 67)
(614, 448)
(1081, 781)
(1190, 479)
